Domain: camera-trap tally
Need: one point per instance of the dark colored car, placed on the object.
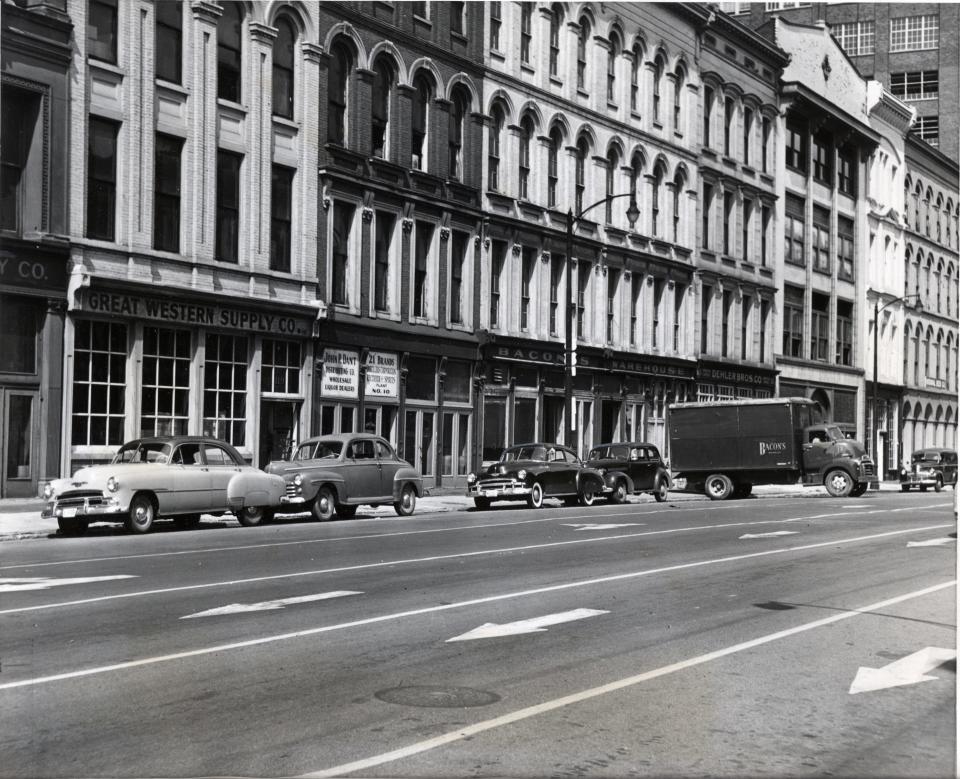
(634, 468)
(932, 467)
(337, 473)
(534, 472)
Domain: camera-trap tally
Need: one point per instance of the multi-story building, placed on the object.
(35, 59)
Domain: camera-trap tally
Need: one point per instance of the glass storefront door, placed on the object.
(19, 443)
(419, 440)
(278, 429)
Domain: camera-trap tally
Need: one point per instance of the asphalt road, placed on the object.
(687, 638)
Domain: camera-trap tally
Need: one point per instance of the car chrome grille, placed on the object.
(291, 490)
(867, 464)
(80, 498)
(496, 484)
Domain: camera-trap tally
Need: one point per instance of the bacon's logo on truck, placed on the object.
(772, 447)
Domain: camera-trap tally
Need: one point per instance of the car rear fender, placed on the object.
(407, 476)
(255, 489)
(611, 478)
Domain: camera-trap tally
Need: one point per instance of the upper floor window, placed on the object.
(526, 30)
(582, 38)
(765, 131)
(528, 266)
(583, 151)
(526, 138)
(421, 9)
(845, 248)
(856, 38)
(341, 63)
(553, 172)
(915, 32)
(18, 116)
(281, 218)
(655, 195)
(458, 114)
(793, 307)
(847, 171)
(458, 259)
(796, 147)
(658, 68)
(927, 129)
(102, 30)
(283, 48)
(794, 231)
(495, 22)
(102, 179)
(423, 251)
(495, 140)
(919, 85)
(747, 132)
(635, 64)
(498, 255)
(384, 263)
(228, 206)
(420, 122)
(613, 162)
(340, 266)
(383, 81)
(822, 162)
(707, 113)
(729, 117)
(458, 11)
(229, 52)
(613, 53)
(556, 24)
(168, 48)
(678, 84)
(166, 195)
(820, 243)
(820, 327)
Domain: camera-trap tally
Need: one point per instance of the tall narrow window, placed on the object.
(556, 278)
(636, 289)
(380, 108)
(457, 11)
(747, 132)
(658, 67)
(498, 256)
(15, 117)
(526, 138)
(165, 382)
(228, 206)
(844, 332)
(458, 259)
(821, 239)
(657, 185)
(728, 222)
(281, 218)
(745, 230)
(764, 314)
(678, 184)
(528, 265)
(725, 323)
(556, 24)
(526, 30)
(794, 231)
(707, 114)
(822, 153)
(421, 269)
(729, 117)
(678, 297)
(495, 22)
(820, 328)
(845, 248)
(420, 122)
(635, 64)
(102, 30)
(166, 195)
(766, 214)
(767, 129)
(656, 312)
(706, 209)
(746, 306)
(706, 295)
(229, 52)
(553, 173)
(581, 179)
(582, 38)
(678, 84)
(343, 214)
(383, 247)
(225, 388)
(847, 171)
(613, 282)
(102, 179)
(458, 113)
(613, 162)
(613, 53)
(168, 46)
(583, 283)
(340, 65)
(493, 156)
(796, 146)
(283, 58)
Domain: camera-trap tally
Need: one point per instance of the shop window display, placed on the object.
(165, 404)
(99, 383)
(225, 388)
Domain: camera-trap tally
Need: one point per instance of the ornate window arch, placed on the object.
(284, 59)
(424, 90)
(342, 62)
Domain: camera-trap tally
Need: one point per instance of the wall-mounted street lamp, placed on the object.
(633, 213)
(877, 308)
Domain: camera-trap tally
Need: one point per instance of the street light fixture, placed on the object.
(633, 213)
(877, 308)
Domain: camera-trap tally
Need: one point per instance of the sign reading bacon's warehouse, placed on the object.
(185, 313)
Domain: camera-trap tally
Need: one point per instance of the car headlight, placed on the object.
(521, 474)
(48, 491)
(471, 478)
(112, 484)
(298, 479)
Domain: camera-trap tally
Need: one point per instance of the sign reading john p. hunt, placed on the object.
(186, 313)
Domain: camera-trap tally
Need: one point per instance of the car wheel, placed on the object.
(187, 521)
(482, 503)
(939, 485)
(619, 494)
(838, 483)
(535, 498)
(586, 496)
(660, 492)
(72, 526)
(251, 516)
(347, 512)
(408, 501)
(718, 486)
(324, 505)
(142, 513)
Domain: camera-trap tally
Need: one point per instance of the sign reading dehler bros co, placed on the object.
(186, 313)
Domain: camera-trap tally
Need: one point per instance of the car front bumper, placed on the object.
(913, 480)
(88, 507)
(498, 491)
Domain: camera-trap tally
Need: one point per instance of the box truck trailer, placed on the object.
(726, 447)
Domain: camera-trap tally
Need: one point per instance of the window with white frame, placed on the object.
(917, 85)
(636, 290)
(820, 328)
(528, 267)
(99, 383)
(526, 30)
(280, 367)
(613, 283)
(910, 33)
(165, 382)
(384, 262)
(498, 256)
(459, 245)
(422, 282)
(856, 38)
(820, 244)
(927, 129)
(583, 286)
(341, 248)
(556, 295)
(225, 388)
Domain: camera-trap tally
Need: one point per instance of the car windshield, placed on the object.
(143, 452)
(835, 434)
(926, 457)
(524, 453)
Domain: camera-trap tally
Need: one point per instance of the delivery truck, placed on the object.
(726, 447)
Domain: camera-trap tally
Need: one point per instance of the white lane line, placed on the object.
(522, 626)
(270, 605)
(633, 510)
(435, 609)
(605, 689)
(768, 535)
(43, 583)
(409, 561)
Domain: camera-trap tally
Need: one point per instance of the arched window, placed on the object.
(655, 194)
(678, 84)
(917, 195)
(613, 162)
(658, 68)
(420, 122)
(283, 58)
(583, 151)
(635, 66)
(938, 215)
(679, 181)
(582, 39)
(937, 275)
(230, 52)
(497, 122)
(460, 104)
(926, 211)
(383, 80)
(556, 25)
(613, 54)
(937, 353)
(636, 176)
(526, 140)
(341, 63)
(553, 167)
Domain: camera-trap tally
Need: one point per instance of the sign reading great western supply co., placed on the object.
(186, 313)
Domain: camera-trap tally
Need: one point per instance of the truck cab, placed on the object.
(826, 448)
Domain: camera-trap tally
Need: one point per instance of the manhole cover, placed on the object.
(434, 696)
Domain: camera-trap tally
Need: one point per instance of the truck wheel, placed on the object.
(482, 503)
(660, 491)
(838, 483)
(939, 485)
(535, 498)
(619, 494)
(718, 486)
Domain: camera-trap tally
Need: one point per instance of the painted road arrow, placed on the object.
(270, 605)
(911, 669)
(535, 625)
(932, 542)
(23, 585)
(605, 527)
(769, 535)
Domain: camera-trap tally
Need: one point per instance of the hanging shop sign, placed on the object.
(382, 379)
(176, 312)
(341, 374)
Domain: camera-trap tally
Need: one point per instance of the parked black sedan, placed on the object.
(634, 468)
(534, 472)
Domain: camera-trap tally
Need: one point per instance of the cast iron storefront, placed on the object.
(618, 396)
(414, 388)
(141, 363)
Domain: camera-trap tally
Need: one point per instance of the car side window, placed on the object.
(187, 454)
(217, 456)
(362, 450)
(383, 451)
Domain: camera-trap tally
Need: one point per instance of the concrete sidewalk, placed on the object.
(20, 517)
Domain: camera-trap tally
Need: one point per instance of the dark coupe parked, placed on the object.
(533, 472)
(630, 469)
